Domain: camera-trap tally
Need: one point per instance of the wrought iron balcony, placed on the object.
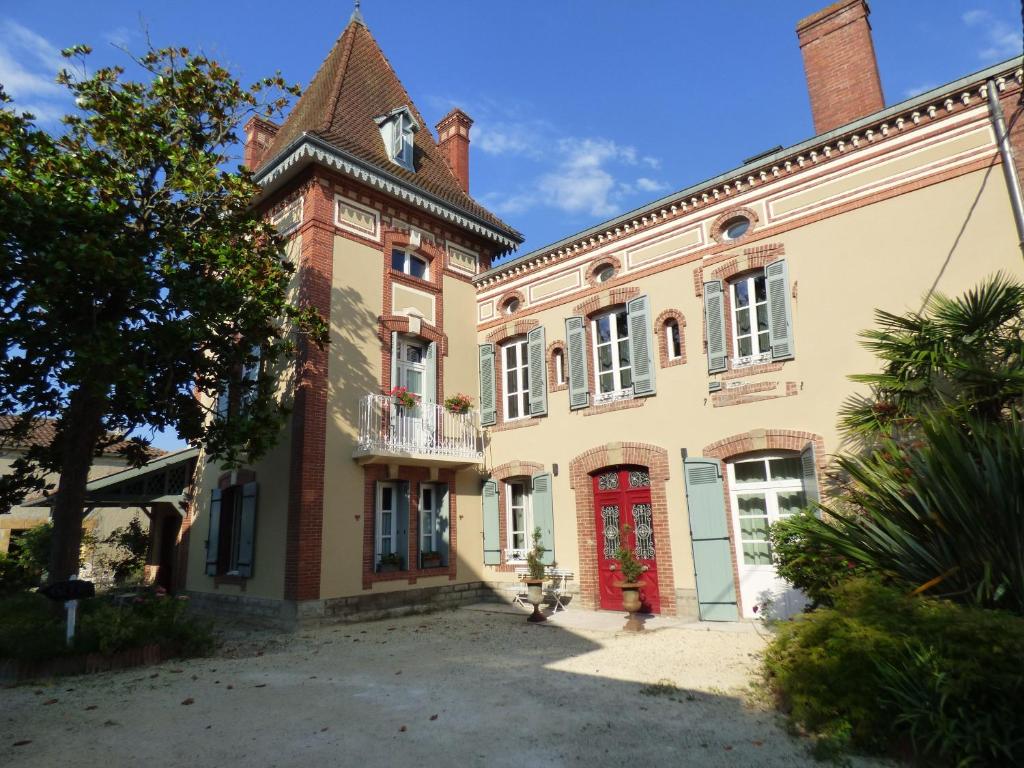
(426, 433)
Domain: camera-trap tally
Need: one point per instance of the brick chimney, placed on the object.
(839, 60)
(259, 134)
(453, 139)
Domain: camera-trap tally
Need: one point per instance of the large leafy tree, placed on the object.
(137, 282)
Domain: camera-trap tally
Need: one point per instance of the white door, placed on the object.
(387, 499)
(412, 374)
(763, 490)
(430, 510)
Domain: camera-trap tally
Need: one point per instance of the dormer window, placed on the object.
(396, 130)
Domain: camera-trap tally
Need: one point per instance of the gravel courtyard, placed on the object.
(462, 688)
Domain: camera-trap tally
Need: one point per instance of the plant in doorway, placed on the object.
(631, 570)
(390, 563)
(535, 578)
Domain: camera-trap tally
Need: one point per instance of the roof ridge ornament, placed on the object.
(357, 15)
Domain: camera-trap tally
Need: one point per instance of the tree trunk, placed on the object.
(81, 427)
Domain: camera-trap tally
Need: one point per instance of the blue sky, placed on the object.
(583, 108)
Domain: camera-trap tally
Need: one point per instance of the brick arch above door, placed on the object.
(655, 460)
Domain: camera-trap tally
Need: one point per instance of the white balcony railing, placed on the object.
(427, 428)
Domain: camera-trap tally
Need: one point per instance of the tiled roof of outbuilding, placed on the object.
(355, 84)
(44, 431)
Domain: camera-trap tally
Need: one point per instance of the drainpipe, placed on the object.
(1009, 169)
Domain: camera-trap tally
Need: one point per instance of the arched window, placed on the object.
(669, 328)
(558, 364)
(673, 341)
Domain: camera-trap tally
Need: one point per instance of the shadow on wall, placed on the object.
(352, 374)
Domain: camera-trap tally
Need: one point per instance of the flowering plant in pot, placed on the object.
(631, 570)
(404, 397)
(390, 562)
(458, 403)
(535, 578)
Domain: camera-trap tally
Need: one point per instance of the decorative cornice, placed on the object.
(927, 107)
(309, 148)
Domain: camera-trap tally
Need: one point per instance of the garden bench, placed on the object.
(558, 579)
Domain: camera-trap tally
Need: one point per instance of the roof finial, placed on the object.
(357, 15)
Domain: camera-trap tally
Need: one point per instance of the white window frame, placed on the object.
(618, 392)
(378, 522)
(521, 345)
(670, 344)
(428, 518)
(512, 554)
(404, 365)
(757, 355)
(770, 488)
(406, 268)
(559, 366)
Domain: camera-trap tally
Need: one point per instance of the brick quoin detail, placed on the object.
(660, 330)
(304, 535)
(553, 385)
(734, 447)
(414, 476)
(598, 264)
(501, 474)
(581, 468)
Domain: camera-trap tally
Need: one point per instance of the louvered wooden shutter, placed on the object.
(641, 344)
(543, 515)
(714, 322)
(780, 311)
(441, 531)
(492, 536)
(213, 537)
(809, 474)
(536, 353)
(709, 534)
(247, 529)
(394, 359)
(401, 522)
(488, 408)
(430, 386)
(579, 384)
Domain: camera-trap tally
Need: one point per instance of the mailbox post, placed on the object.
(70, 592)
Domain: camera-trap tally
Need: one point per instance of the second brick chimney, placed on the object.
(453, 140)
(259, 134)
(839, 59)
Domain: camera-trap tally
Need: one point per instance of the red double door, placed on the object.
(622, 506)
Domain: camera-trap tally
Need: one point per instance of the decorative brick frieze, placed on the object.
(661, 331)
(655, 460)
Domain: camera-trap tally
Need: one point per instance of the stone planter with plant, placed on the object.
(631, 570)
(535, 578)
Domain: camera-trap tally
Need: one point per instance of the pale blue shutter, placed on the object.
(394, 359)
(780, 312)
(809, 474)
(488, 407)
(492, 535)
(641, 344)
(402, 522)
(247, 529)
(709, 533)
(442, 525)
(536, 346)
(213, 537)
(714, 322)
(579, 384)
(430, 386)
(543, 515)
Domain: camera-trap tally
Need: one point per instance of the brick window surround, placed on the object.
(581, 468)
(414, 476)
(553, 385)
(746, 213)
(737, 446)
(400, 324)
(602, 302)
(503, 302)
(502, 473)
(600, 263)
(497, 337)
(660, 331)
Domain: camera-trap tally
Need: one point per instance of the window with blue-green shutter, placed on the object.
(488, 406)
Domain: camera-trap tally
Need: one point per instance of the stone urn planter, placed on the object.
(535, 595)
(631, 604)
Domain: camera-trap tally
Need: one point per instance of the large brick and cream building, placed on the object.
(668, 379)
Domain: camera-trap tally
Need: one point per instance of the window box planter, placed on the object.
(430, 560)
(390, 564)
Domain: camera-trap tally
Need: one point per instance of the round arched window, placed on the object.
(511, 306)
(604, 273)
(735, 228)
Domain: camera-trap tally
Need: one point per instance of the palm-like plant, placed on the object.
(961, 355)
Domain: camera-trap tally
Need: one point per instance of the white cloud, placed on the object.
(650, 185)
(28, 67)
(913, 91)
(1001, 40)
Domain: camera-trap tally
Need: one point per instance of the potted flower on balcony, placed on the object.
(390, 563)
(631, 570)
(404, 397)
(430, 559)
(535, 577)
(458, 403)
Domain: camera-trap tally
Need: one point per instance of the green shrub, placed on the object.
(30, 628)
(807, 562)
(127, 558)
(13, 576)
(882, 669)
